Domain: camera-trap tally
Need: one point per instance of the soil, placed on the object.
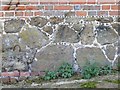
(74, 82)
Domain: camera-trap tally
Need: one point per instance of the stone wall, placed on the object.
(38, 44)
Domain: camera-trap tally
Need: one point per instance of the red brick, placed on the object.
(77, 2)
(48, 1)
(29, 13)
(18, 13)
(114, 7)
(1, 14)
(63, 1)
(106, 1)
(9, 13)
(106, 7)
(102, 13)
(21, 8)
(38, 13)
(6, 80)
(81, 13)
(5, 7)
(24, 74)
(31, 8)
(24, 2)
(34, 1)
(63, 7)
(114, 13)
(91, 1)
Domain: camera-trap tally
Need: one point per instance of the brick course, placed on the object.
(42, 7)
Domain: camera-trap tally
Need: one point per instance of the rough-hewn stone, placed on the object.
(9, 41)
(90, 54)
(87, 35)
(66, 34)
(116, 26)
(13, 25)
(105, 20)
(33, 37)
(48, 29)
(52, 57)
(106, 36)
(110, 51)
(38, 21)
(55, 20)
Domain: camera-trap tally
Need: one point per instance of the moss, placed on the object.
(36, 80)
(90, 84)
(113, 81)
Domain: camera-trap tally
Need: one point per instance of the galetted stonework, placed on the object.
(38, 44)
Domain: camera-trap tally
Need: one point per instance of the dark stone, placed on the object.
(105, 20)
(56, 20)
(38, 21)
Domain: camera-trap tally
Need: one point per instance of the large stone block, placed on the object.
(106, 35)
(51, 57)
(33, 37)
(92, 54)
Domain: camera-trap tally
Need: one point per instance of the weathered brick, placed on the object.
(28, 13)
(34, 1)
(81, 13)
(91, 1)
(102, 13)
(55, 13)
(92, 13)
(1, 14)
(105, 7)
(114, 13)
(24, 2)
(48, 7)
(5, 7)
(106, 1)
(77, 2)
(21, 7)
(89, 7)
(63, 2)
(63, 7)
(40, 7)
(9, 14)
(12, 7)
(48, 1)
(24, 74)
(38, 13)
(19, 13)
(31, 8)
(114, 7)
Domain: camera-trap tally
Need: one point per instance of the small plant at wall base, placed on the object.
(94, 69)
(90, 70)
(64, 71)
(50, 75)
